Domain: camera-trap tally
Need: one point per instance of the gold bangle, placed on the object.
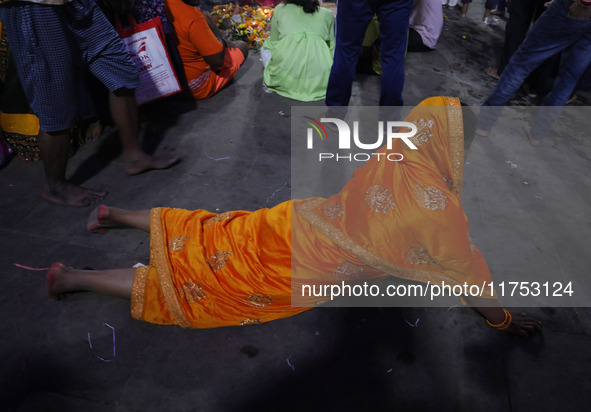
(504, 324)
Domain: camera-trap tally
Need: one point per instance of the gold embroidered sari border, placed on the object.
(158, 258)
(345, 243)
(137, 291)
(456, 139)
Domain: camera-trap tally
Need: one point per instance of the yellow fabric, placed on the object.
(26, 124)
(392, 218)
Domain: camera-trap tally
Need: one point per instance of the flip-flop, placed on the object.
(93, 220)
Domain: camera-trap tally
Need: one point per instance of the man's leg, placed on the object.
(551, 34)
(54, 153)
(45, 67)
(521, 14)
(353, 17)
(115, 282)
(393, 18)
(102, 50)
(124, 112)
(575, 61)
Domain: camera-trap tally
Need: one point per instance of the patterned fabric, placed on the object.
(232, 269)
(51, 66)
(405, 218)
(51, 2)
(19, 125)
(246, 268)
(144, 10)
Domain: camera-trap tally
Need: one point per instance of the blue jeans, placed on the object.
(552, 33)
(353, 17)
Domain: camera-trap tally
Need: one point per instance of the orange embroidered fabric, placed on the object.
(208, 270)
(400, 219)
(405, 218)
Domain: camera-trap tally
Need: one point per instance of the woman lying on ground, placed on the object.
(400, 219)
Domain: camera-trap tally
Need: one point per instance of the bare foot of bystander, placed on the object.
(94, 131)
(482, 133)
(68, 194)
(492, 72)
(145, 162)
(532, 141)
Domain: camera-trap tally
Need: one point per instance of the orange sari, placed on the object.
(400, 219)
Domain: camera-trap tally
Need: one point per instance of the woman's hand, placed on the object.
(522, 325)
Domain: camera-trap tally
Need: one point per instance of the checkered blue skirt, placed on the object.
(54, 47)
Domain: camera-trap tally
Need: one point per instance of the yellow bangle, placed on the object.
(504, 324)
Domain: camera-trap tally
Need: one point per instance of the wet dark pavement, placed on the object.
(236, 150)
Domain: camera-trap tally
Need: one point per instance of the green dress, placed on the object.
(302, 45)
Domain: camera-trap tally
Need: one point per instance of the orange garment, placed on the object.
(208, 270)
(194, 40)
(405, 218)
(232, 62)
(401, 219)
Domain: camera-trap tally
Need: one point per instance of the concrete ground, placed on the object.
(529, 214)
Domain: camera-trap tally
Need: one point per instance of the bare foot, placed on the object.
(492, 73)
(482, 133)
(94, 131)
(146, 162)
(463, 15)
(532, 141)
(572, 99)
(99, 221)
(56, 283)
(68, 194)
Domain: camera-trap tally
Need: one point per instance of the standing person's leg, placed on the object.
(353, 17)
(521, 14)
(107, 59)
(124, 112)
(500, 9)
(489, 5)
(575, 61)
(54, 149)
(393, 18)
(44, 62)
(465, 6)
(552, 33)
